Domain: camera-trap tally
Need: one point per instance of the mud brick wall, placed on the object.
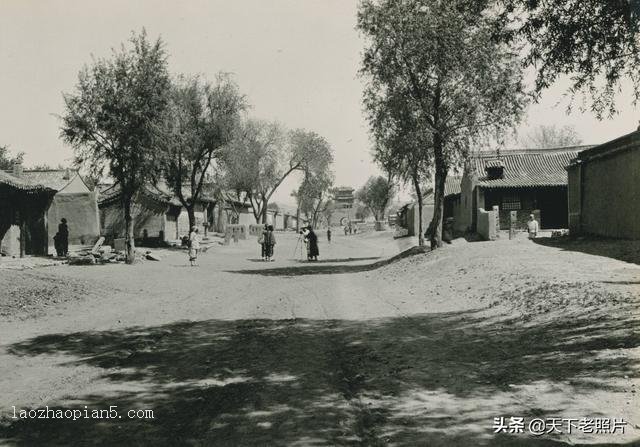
(81, 212)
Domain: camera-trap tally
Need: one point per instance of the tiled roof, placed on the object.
(22, 184)
(159, 193)
(111, 193)
(624, 142)
(52, 178)
(452, 185)
(526, 168)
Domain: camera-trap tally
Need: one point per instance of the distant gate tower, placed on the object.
(344, 197)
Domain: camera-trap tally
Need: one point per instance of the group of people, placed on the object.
(267, 241)
(348, 229)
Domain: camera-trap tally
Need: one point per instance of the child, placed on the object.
(194, 246)
(532, 226)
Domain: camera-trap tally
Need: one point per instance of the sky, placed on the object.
(296, 60)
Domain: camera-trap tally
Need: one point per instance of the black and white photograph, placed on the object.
(320, 223)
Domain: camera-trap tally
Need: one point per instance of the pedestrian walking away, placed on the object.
(194, 246)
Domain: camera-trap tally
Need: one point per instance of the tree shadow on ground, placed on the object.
(436, 380)
(314, 268)
(622, 250)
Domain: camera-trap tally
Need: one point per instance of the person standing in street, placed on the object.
(532, 226)
(194, 246)
(261, 240)
(312, 239)
(269, 242)
(61, 239)
(329, 234)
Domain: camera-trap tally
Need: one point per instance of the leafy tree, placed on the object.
(362, 211)
(7, 160)
(545, 137)
(440, 63)
(112, 118)
(375, 194)
(329, 208)
(314, 195)
(199, 122)
(401, 146)
(263, 155)
(595, 43)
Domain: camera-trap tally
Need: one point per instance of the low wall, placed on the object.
(256, 229)
(236, 230)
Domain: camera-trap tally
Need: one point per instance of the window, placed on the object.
(511, 203)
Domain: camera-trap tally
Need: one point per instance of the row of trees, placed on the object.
(128, 119)
(443, 76)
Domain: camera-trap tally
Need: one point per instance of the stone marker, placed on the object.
(119, 244)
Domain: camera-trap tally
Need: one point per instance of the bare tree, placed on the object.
(545, 137)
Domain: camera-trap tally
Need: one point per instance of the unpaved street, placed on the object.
(356, 349)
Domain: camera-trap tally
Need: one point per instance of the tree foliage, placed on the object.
(314, 196)
(439, 63)
(199, 122)
(375, 194)
(551, 136)
(593, 42)
(263, 154)
(7, 160)
(112, 118)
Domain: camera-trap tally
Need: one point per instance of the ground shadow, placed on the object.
(622, 250)
(436, 380)
(315, 267)
(321, 261)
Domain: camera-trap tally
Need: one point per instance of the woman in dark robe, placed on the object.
(312, 239)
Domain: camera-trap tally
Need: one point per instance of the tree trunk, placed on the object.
(265, 202)
(192, 215)
(220, 221)
(129, 222)
(298, 219)
(438, 208)
(416, 185)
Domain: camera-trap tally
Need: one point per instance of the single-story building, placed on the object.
(155, 214)
(74, 200)
(604, 189)
(23, 215)
(525, 181)
(160, 217)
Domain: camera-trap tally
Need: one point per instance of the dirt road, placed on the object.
(426, 350)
